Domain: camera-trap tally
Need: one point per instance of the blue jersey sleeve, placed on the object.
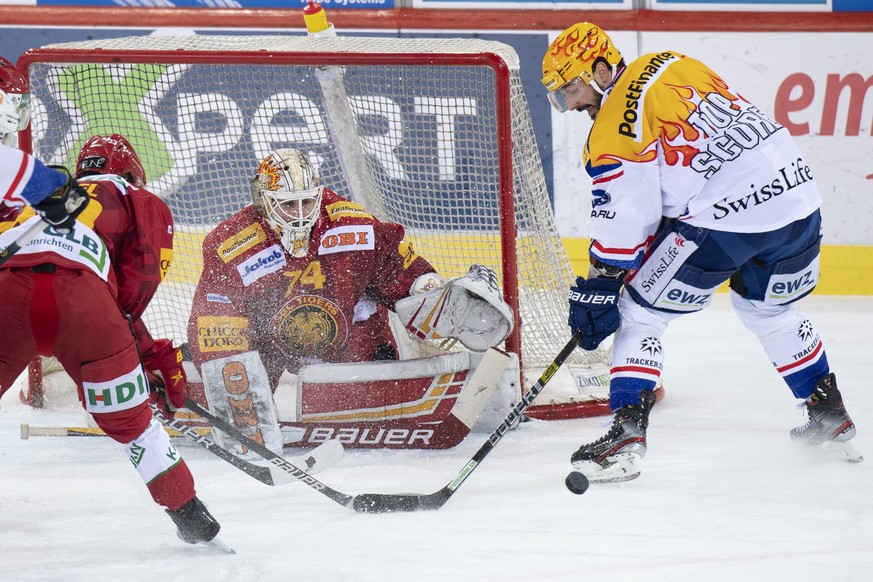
(43, 182)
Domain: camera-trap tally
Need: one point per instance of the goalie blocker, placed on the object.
(426, 403)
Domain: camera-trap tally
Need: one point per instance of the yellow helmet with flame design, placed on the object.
(571, 57)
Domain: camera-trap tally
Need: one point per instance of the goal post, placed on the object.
(440, 130)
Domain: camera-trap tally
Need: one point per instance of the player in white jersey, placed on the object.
(23, 178)
(692, 186)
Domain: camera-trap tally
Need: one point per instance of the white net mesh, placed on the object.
(420, 125)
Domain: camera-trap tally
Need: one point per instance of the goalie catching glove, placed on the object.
(163, 364)
(469, 308)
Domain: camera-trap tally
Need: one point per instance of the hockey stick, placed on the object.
(262, 474)
(321, 456)
(73, 204)
(277, 461)
(387, 502)
(28, 431)
(23, 239)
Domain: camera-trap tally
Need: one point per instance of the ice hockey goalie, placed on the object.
(291, 324)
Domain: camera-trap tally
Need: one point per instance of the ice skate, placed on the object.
(195, 525)
(829, 424)
(615, 456)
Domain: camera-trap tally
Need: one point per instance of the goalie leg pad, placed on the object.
(503, 398)
(480, 386)
(237, 389)
(426, 403)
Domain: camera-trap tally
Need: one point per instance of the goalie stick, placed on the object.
(388, 502)
(322, 455)
(277, 461)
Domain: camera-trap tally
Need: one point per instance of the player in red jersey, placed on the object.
(80, 296)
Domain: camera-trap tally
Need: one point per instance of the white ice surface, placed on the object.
(724, 494)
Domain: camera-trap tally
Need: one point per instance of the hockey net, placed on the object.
(434, 134)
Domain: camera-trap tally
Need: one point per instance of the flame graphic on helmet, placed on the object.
(587, 48)
(268, 174)
(566, 44)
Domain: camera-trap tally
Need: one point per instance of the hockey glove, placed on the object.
(594, 310)
(165, 363)
(61, 207)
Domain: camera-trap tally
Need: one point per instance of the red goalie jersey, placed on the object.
(327, 306)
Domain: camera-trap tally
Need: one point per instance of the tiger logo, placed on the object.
(309, 325)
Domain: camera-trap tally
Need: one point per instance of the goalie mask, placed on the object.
(14, 103)
(287, 192)
(110, 154)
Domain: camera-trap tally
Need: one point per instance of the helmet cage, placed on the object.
(14, 102)
(289, 210)
(287, 191)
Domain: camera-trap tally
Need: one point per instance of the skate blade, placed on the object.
(621, 467)
(219, 543)
(845, 450)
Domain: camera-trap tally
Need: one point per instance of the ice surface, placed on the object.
(724, 494)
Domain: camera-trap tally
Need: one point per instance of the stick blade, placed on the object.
(325, 455)
(399, 502)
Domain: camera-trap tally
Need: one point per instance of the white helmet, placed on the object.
(14, 103)
(287, 192)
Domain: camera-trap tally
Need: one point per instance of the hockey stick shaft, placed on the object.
(384, 503)
(28, 431)
(262, 474)
(276, 460)
(324, 455)
(23, 239)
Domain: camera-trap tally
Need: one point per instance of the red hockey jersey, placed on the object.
(329, 306)
(124, 236)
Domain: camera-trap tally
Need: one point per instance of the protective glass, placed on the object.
(560, 98)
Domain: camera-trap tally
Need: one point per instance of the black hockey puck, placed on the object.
(577, 482)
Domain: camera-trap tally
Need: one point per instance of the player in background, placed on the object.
(304, 276)
(23, 178)
(692, 186)
(79, 293)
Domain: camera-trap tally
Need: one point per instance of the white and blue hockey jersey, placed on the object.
(672, 139)
(24, 179)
